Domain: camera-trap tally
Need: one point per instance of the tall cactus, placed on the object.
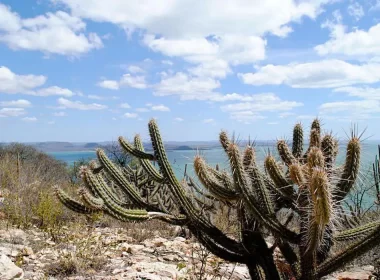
(304, 183)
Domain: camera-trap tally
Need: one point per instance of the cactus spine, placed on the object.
(304, 186)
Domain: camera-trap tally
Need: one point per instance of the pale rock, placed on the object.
(8, 270)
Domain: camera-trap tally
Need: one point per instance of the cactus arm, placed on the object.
(146, 164)
(297, 145)
(263, 214)
(119, 178)
(72, 204)
(285, 153)
(211, 183)
(355, 250)
(133, 151)
(277, 177)
(233, 253)
(328, 149)
(108, 190)
(356, 232)
(351, 169)
(91, 201)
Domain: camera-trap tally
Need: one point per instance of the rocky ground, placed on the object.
(109, 253)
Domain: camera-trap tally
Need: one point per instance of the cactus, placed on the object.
(305, 183)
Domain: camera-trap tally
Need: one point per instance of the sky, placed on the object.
(91, 70)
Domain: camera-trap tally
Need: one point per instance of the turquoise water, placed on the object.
(179, 159)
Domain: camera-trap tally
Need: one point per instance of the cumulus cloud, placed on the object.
(29, 119)
(12, 83)
(192, 19)
(12, 112)
(65, 103)
(131, 115)
(355, 43)
(319, 74)
(56, 33)
(159, 107)
(110, 84)
(127, 80)
(21, 103)
(208, 120)
(355, 10)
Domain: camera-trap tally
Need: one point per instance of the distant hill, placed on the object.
(56, 146)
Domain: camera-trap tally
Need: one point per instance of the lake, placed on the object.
(179, 158)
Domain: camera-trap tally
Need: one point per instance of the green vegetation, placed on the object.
(308, 186)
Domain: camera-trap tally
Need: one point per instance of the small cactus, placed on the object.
(305, 183)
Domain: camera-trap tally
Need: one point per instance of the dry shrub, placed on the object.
(27, 177)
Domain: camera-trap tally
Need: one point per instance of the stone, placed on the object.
(8, 270)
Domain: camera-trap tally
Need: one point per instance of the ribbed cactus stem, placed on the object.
(297, 146)
(214, 186)
(356, 232)
(296, 174)
(285, 153)
(145, 163)
(119, 178)
(351, 169)
(277, 176)
(72, 204)
(91, 201)
(328, 149)
(261, 210)
(133, 151)
(224, 140)
(249, 157)
(315, 159)
(321, 197)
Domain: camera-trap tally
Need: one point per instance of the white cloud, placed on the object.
(133, 81)
(96, 97)
(59, 114)
(51, 122)
(22, 103)
(179, 119)
(142, 110)
(57, 33)
(229, 32)
(186, 87)
(52, 91)
(362, 92)
(159, 107)
(12, 83)
(127, 80)
(12, 112)
(199, 19)
(320, 74)
(353, 107)
(131, 115)
(356, 43)
(208, 120)
(212, 56)
(29, 119)
(110, 84)
(65, 103)
(167, 62)
(125, 106)
(135, 69)
(355, 10)
(266, 102)
(246, 116)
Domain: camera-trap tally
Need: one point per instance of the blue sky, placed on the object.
(92, 70)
